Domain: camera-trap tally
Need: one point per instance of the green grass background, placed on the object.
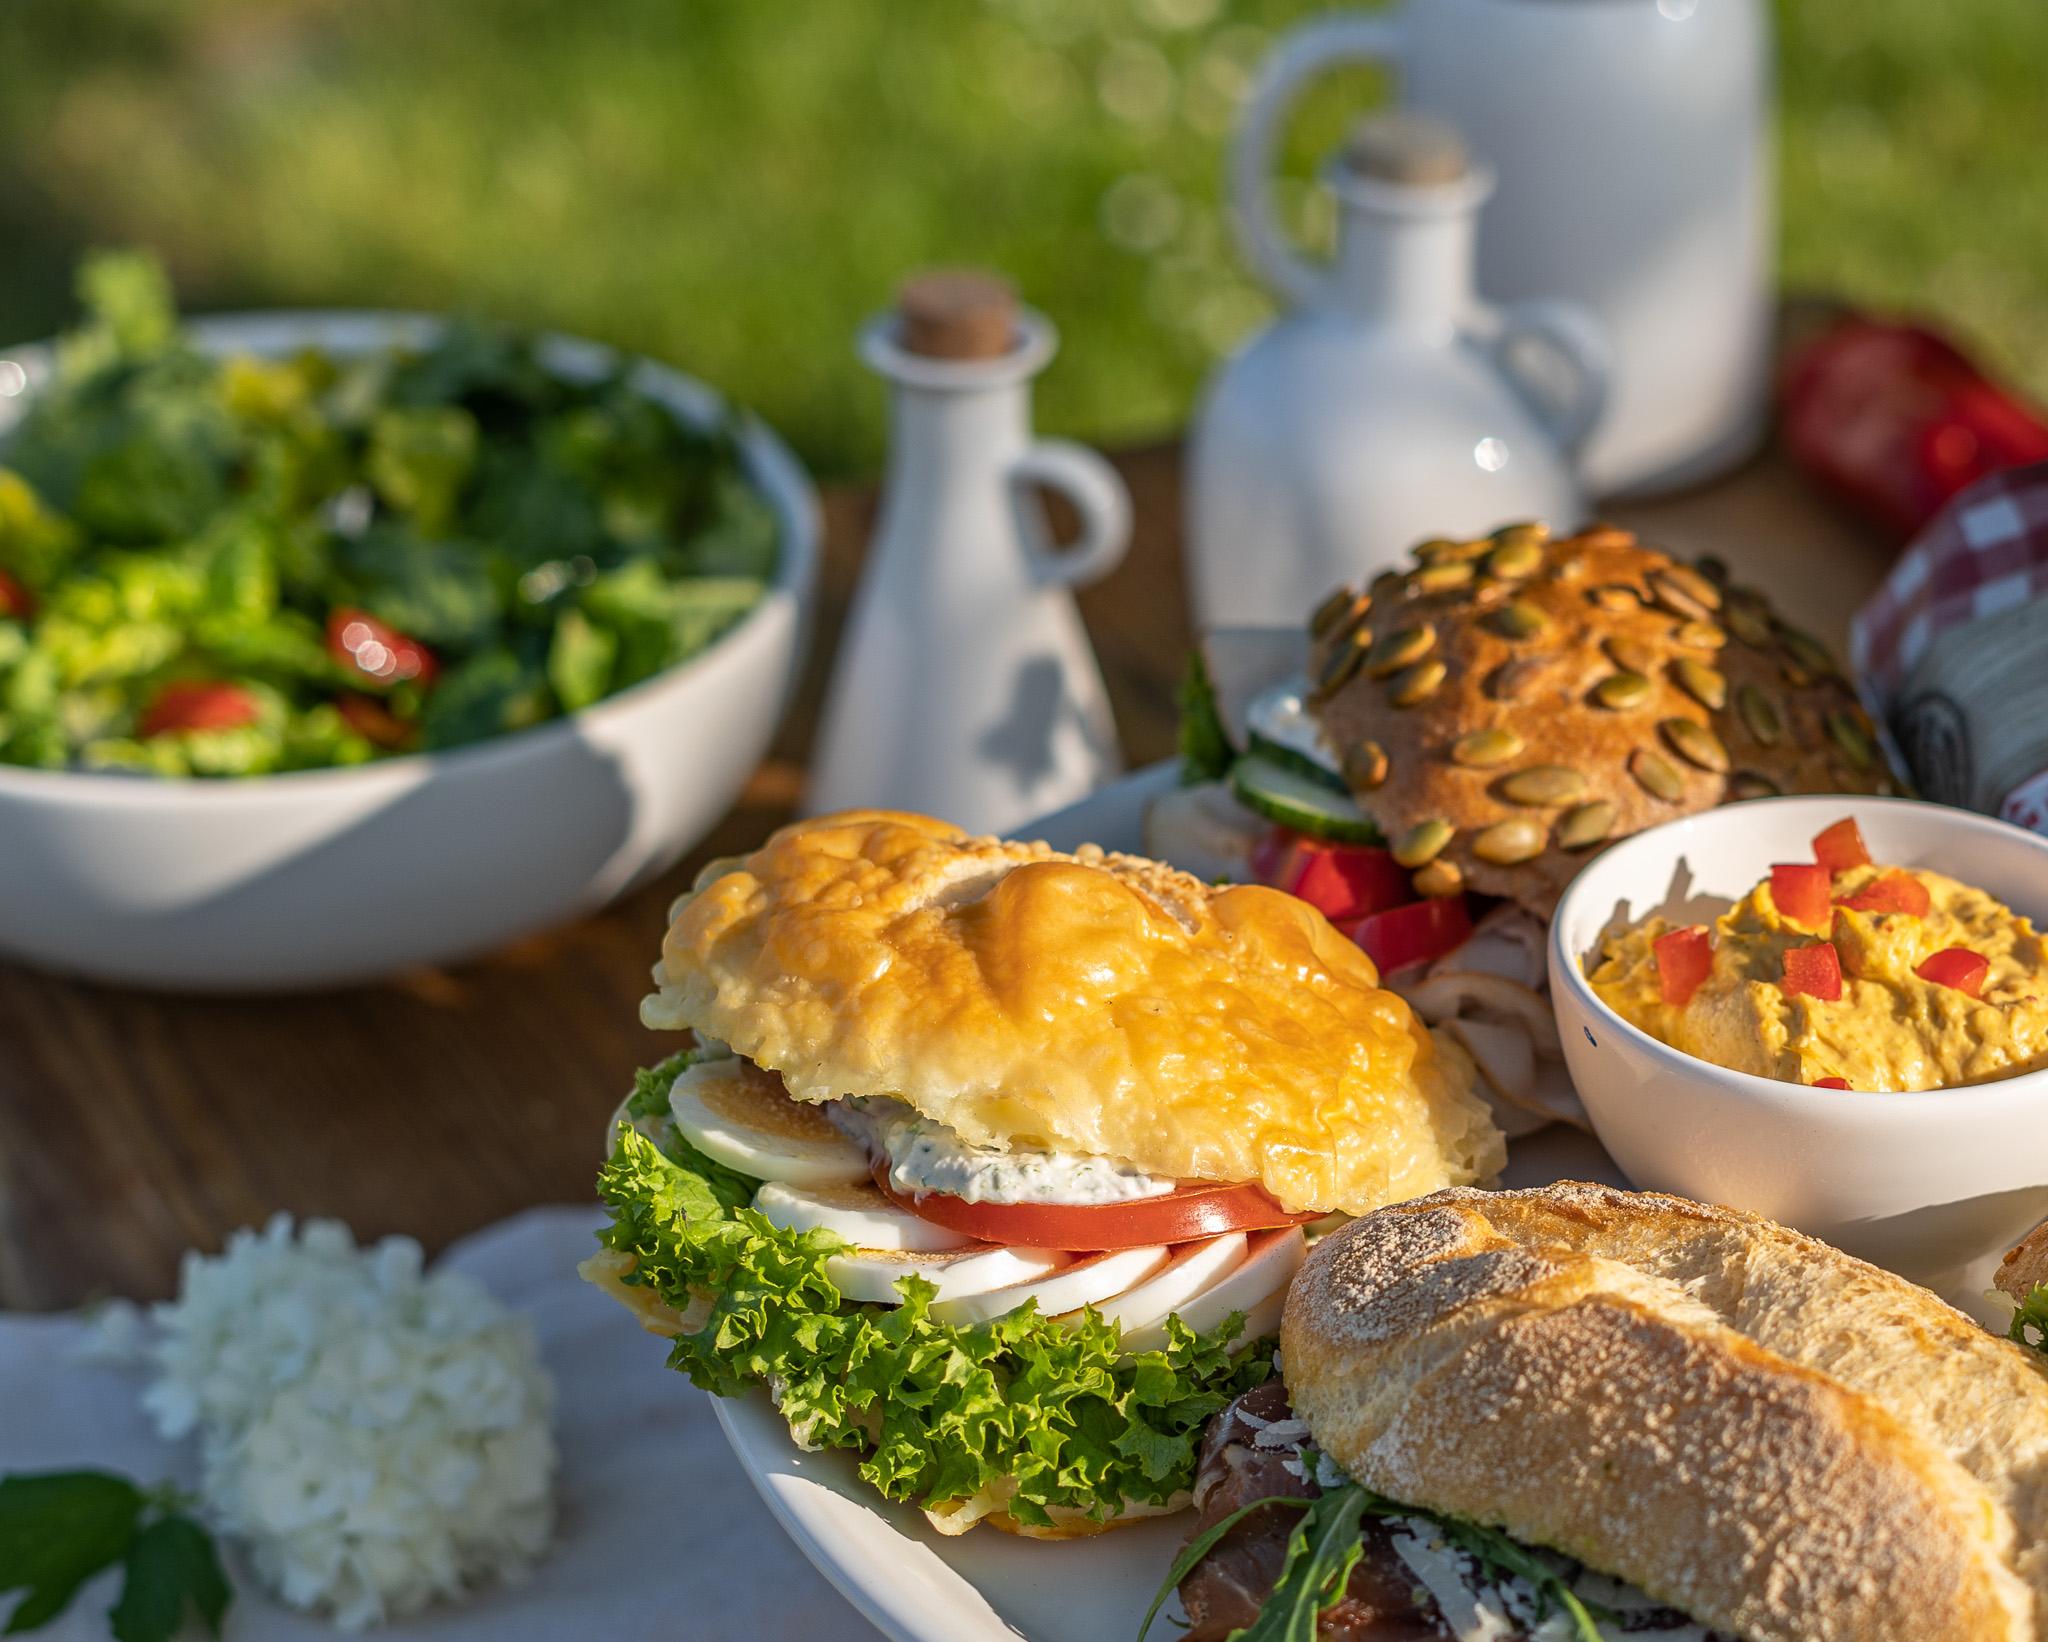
(734, 185)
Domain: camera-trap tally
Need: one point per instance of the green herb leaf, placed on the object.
(1205, 753)
(1202, 1544)
(1321, 1552)
(58, 1529)
(2030, 1322)
(580, 659)
(172, 1568)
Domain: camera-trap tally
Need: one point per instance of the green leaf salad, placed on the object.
(1020, 1413)
(234, 566)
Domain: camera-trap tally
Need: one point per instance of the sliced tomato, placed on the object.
(1184, 1215)
(1347, 880)
(375, 722)
(197, 704)
(15, 598)
(1275, 854)
(1840, 847)
(1893, 891)
(1957, 967)
(1801, 895)
(1830, 1083)
(1684, 958)
(377, 652)
(1814, 972)
(1420, 932)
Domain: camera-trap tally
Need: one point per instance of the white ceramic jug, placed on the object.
(1631, 141)
(965, 686)
(1391, 404)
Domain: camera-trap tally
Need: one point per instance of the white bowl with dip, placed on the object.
(1931, 1184)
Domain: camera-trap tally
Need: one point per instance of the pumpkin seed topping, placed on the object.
(1418, 683)
(1760, 714)
(1587, 825)
(1542, 784)
(1437, 879)
(1529, 533)
(1365, 766)
(1440, 578)
(1656, 775)
(1620, 691)
(1701, 682)
(1422, 843)
(1630, 656)
(1751, 784)
(1701, 635)
(1439, 550)
(1516, 557)
(1400, 648)
(1330, 611)
(1748, 622)
(1518, 620)
(1346, 656)
(1511, 679)
(1794, 675)
(1853, 739)
(1616, 597)
(1508, 842)
(1695, 743)
(1689, 586)
(1807, 650)
(1483, 748)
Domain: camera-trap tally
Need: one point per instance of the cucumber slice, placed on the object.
(1279, 794)
(1280, 726)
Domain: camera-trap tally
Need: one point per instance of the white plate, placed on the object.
(918, 1586)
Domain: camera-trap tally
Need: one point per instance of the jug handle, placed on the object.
(1294, 64)
(1098, 494)
(1573, 335)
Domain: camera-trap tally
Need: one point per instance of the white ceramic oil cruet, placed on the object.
(965, 686)
(1390, 404)
(1632, 143)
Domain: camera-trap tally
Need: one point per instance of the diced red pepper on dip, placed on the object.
(1684, 958)
(1957, 967)
(1892, 891)
(15, 599)
(1831, 1083)
(1802, 895)
(377, 652)
(1420, 932)
(1814, 972)
(1840, 847)
(197, 704)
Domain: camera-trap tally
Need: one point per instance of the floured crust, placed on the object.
(1752, 1426)
(1090, 1002)
(1593, 597)
(2025, 1268)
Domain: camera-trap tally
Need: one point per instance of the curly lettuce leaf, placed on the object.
(2030, 1322)
(1048, 1415)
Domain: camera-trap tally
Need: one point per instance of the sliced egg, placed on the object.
(738, 1115)
(1271, 1259)
(856, 1212)
(1193, 1267)
(1092, 1278)
(871, 1274)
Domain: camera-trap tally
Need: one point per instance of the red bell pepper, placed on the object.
(197, 704)
(1957, 967)
(15, 598)
(1840, 847)
(1800, 893)
(1814, 972)
(1683, 959)
(378, 654)
(1893, 891)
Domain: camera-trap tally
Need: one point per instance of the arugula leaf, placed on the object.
(1052, 1415)
(1192, 1553)
(1321, 1552)
(1205, 752)
(58, 1529)
(172, 1567)
(1511, 1556)
(2030, 1322)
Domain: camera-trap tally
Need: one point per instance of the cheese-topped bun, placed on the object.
(1780, 1441)
(1092, 1003)
(1514, 701)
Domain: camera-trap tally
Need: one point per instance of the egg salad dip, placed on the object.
(1844, 974)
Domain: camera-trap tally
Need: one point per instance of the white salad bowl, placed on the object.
(323, 877)
(1929, 1184)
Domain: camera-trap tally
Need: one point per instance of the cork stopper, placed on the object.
(954, 313)
(1410, 150)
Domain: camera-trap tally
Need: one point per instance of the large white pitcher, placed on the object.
(1630, 140)
(965, 685)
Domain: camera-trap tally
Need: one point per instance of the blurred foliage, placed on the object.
(734, 186)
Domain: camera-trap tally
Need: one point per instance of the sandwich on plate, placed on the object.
(992, 1164)
(1443, 750)
(2023, 1278)
(1578, 1413)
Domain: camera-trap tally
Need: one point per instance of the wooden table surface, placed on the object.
(134, 1126)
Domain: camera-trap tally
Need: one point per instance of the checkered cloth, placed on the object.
(1986, 551)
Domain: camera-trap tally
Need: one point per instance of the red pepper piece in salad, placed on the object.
(197, 704)
(375, 722)
(1683, 958)
(16, 600)
(1893, 891)
(378, 653)
(1957, 967)
(1801, 895)
(1841, 846)
(1814, 972)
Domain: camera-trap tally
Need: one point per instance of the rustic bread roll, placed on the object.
(1091, 1002)
(1782, 1441)
(2025, 1268)
(1542, 696)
